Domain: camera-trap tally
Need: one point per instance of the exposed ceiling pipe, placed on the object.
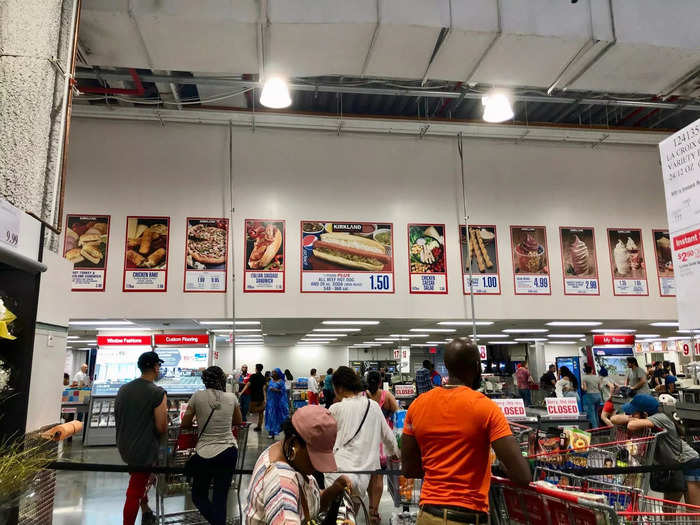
(261, 29)
(667, 116)
(373, 40)
(361, 90)
(445, 33)
(137, 91)
(688, 77)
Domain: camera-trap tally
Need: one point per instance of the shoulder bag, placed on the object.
(360, 427)
(669, 480)
(193, 462)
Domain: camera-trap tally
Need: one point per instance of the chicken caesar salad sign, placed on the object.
(426, 258)
(347, 257)
(680, 166)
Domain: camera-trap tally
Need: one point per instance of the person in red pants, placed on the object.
(312, 389)
(141, 413)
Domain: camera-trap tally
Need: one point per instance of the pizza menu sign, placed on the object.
(206, 255)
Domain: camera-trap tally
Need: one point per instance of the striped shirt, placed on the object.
(273, 497)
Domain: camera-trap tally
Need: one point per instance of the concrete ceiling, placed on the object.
(643, 46)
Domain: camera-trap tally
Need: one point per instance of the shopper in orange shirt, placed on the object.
(446, 441)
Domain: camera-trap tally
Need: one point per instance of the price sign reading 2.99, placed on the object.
(530, 260)
(347, 257)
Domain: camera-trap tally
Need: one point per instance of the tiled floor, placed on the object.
(96, 498)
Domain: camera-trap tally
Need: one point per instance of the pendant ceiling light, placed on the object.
(275, 93)
(497, 107)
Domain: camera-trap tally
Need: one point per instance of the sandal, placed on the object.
(374, 517)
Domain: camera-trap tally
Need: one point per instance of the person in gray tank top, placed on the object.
(141, 415)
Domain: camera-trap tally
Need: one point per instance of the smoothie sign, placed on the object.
(347, 257)
(664, 263)
(426, 258)
(627, 261)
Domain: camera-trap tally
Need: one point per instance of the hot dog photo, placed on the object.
(264, 255)
(355, 247)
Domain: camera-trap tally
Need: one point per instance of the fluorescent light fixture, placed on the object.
(525, 330)
(501, 343)
(433, 330)
(574, 323)
(565, 336)
(73, 337)
(121, 329)
(687, 331)
(435, 342)
(229, 323)
(385, 339)
(562, 342)
(665, 323)
(530, 339)
(645, 336)
(465, 323)
(351, 322)
(326, 335)
(241, 330)
(614, 330)
(583, 339)
(402, 336)
(85, 348)
(497, 106)
(275, 93)
(318, 340)
(493, 336)
(677, 338)
(100, 323)
(87, 341)
(421, 344)
(339, 329)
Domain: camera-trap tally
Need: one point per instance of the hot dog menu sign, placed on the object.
(347, 257)
(264, 256)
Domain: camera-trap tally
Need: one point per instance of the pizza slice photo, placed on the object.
(206, 244)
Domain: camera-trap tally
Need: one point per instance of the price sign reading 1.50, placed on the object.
(379, 282)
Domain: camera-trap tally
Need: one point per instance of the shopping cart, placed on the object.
(180, 447)
(404, 491)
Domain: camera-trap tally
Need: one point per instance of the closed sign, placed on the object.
(512, 408)
(562, 407)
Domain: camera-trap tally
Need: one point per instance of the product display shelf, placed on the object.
(299, 394)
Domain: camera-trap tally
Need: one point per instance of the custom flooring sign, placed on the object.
(530, 260)
(627, 262)
(347, 257)
(664, 263)
(264, 256)
(146, 254)
(85, 244)
(578, 257)
(681, 172)
(480, 250)
(206, 255)
(427, 259)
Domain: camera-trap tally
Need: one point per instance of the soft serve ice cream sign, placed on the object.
(627, 262)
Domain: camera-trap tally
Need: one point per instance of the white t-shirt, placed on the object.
(217, 435)
(313, 385)
(81, 378)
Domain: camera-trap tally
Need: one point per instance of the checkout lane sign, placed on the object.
(512, 408)
(562, 407)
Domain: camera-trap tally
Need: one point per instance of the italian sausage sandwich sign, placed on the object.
(264, 256)
(347, 257)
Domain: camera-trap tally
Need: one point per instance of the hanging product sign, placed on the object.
(206, 255)
(627, 262)
(530, 260)
(578, 257)
(681, 172)
(664, 263)
(562, 407)
(264, 256)
(347, 257)
(482, 352)
(426, 258)
(85, 245)
(146, 254)
(10, 219)
(181, 339)
(405, 362)
(480, 249)
(613, 339)
(512, 408)
(123, 340)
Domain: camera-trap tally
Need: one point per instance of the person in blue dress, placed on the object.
(277, 408)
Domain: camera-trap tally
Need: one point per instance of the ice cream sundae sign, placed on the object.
(578, 257)
(680, 166)
(530, 260)
(627, 262)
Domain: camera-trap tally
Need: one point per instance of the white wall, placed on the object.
(123, 168)
(299, 360)
(551, 352)
(46, 384)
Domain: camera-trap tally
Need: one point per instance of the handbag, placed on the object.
(669, 480)
(193, 462)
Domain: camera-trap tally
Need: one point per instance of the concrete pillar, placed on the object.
(36, 44)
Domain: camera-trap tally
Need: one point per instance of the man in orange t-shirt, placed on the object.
(446, 441)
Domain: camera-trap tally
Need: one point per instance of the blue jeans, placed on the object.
(218, 470)
(590, 407)
(245, 406)
(524, 393)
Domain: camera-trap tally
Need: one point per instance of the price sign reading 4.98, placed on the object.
(530, 260)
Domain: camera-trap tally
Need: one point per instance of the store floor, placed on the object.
(97, 498)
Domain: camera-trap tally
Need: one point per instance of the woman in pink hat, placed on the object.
(283, 488)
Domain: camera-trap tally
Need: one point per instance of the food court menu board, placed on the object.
(627, 262)
(578, 256)
(530, 260)
(347, 257)
(146, 254)
(480, 249)
(206, 255)
(85, 245)
(264, 256)
(664, 263)
(426, 258)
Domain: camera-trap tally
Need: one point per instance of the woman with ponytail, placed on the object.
(216, 412)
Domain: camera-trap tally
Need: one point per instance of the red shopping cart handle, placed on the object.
(546, 491)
